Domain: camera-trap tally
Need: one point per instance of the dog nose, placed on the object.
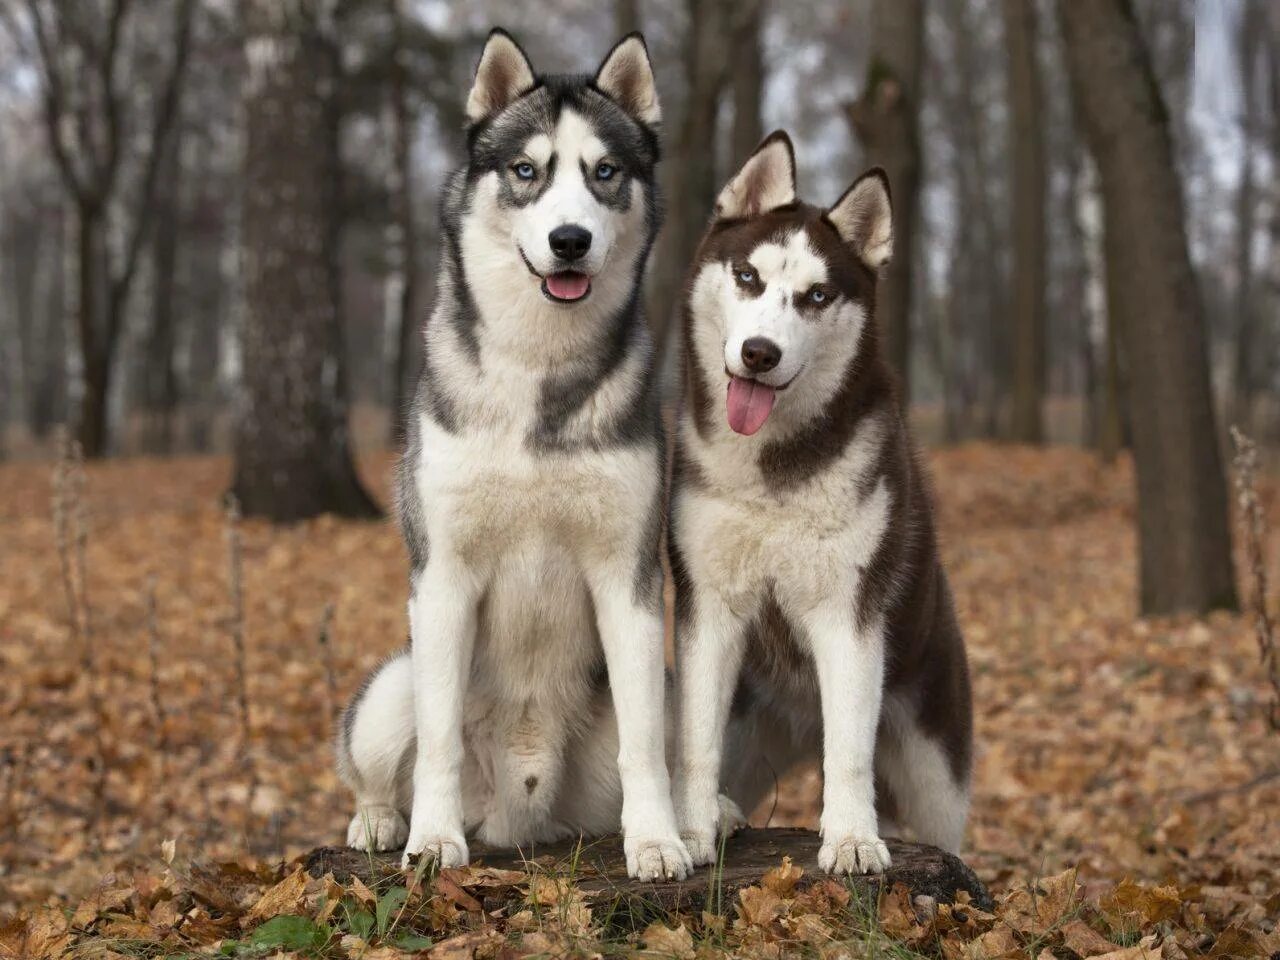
(570, 242)
(760, 354)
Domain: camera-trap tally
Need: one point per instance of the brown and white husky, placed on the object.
(812, 605)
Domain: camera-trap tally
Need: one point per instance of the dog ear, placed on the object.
(503, 74)
(766, 181)
(864, 218)
(626, 77)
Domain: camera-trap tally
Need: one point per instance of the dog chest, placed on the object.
(486, 494)
(805, 552)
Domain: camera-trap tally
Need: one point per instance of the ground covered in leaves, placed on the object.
(1127, 791)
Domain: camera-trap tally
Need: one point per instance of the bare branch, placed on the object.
(108, 65)
(55, 103)
(162, 126)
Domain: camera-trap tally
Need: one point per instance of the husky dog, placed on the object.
(530, 494)
(811, 601)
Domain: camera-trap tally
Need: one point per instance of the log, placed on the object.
(599, 869)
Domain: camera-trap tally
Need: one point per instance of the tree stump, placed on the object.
(599, 869)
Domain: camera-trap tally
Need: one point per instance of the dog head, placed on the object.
(782, 292)
(561, 176)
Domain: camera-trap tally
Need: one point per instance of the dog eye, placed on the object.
(524, 170)
(605, 171)
(747, 275)
(817, 295)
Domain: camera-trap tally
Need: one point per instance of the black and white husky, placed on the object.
(811, 602)
(530, 494)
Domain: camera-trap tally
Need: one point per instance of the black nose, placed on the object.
(760, 355)
(570, 242)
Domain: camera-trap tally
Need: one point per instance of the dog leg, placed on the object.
(374, 740)
(928, 797)
(631, 632)
(442, 620)
(849, 660)
(708, 662)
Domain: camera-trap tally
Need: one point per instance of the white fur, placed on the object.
(502, 75)
(544, 538)
(864, 218)
(766, 181)
(627, 77)
(785, 269)
(816, 348)
(740, 540)
(532, 329)
(919, 776)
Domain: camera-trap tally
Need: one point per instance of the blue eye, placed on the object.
(605, 171)
(817, 296)
(524, 171)
(747, 276)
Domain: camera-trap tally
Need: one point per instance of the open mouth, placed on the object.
(566, 286)
(562, 286)
(749, 403)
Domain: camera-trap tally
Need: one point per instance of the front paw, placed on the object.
(657, 859)
(843, 853)
(445, 850)
(702, 846)
(377, 828)
(703, 843)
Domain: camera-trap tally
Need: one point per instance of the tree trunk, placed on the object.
(400, 176)
(292, 449)
(598, 870)
(1027, 229)
(160, 376)
(95, 329)
(885, 119)
(1250, 35)
(626, 16)
(1185, 542)
(47, 370)
(691, 168)
(747, 79)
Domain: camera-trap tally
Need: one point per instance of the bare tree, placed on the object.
(885, 119)
(159, 374)
(1027, 229)
(292, 448)
(626, 15)
(691, 169)
(1250, 48)
(1153, 299)
(404, 222)
(84, 53)
(747, 80)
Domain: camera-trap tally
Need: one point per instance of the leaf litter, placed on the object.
(1127, 786)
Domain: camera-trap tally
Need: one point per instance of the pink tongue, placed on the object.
(568, 285)
(749, 405)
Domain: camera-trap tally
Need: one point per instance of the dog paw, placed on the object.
(444, 851)
(657, 859)
(702, 846)
(850, 853)
(377, 828)
(732, 819)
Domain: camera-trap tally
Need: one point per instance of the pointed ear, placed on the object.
(766, 181)
(864, 218)
(503, 75)
(626, 76)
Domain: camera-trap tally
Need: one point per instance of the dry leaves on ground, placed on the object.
(1132, 754)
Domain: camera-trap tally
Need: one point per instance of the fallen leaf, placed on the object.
(661, 939)
(1084, 940)
(284, 897)
(782, 879)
